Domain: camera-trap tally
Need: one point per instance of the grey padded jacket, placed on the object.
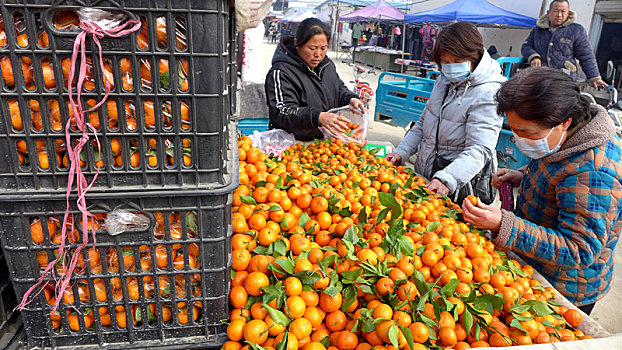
(469, 126)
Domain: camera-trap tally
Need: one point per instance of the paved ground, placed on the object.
(606, 311)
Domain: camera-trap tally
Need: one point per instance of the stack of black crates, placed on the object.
(168, 152)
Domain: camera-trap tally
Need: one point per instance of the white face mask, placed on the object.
(455, 72)
(536, 149)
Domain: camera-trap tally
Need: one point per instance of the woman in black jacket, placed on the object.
(303, 84)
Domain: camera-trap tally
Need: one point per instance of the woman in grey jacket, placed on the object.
(463, 102)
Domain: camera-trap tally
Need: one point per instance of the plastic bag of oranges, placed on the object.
(356, 129)
(273, 141)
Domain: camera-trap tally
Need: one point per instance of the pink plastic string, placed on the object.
(73, 155)
(506, 193)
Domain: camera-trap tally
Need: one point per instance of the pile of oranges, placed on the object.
(122, 115)
(137, 260)
(334, 248)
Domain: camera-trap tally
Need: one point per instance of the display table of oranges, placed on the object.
(334, 248)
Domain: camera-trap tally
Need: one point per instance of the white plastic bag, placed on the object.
(253, 55)
(272, 141)
(121, 220)
(357, 128)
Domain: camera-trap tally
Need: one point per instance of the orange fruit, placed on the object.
(336, 321)
(255, 282)
(330, 304)
(292, 341)
(295, 307)
(235, 330)
(301, 328)
(238, 297)
(347, 340)
(310, 297)
(573, 317)
(447, 336)
(315, 316)
(256, 332)
(319, 204)
(473, 200)
(293, 286)
(385, 285)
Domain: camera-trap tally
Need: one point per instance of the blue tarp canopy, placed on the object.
(480, 12)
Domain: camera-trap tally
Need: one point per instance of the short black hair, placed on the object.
(554, 1)
(308, 28)
(545, 95)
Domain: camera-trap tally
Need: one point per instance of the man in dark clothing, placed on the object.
(558, 42)
(301, 88)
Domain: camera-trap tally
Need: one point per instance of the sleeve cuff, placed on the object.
(403, 155)
(348, 98)
(315, 119)
(591, 80)
(535, 55)
(507, 222)
(447, 180)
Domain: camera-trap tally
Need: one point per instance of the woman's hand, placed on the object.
(482, 215)
(513, 176)
(358, 105)
(394, 158)
(335, 124)
(437, 186)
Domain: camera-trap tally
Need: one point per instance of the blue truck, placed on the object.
(400, 99)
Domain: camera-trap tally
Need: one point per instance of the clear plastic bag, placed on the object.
(357, 128)
(104, 19)
(121, 220)
(273, 141)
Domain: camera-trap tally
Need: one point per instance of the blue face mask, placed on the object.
(456, 72)
(536, 149)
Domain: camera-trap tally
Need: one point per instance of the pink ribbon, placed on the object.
(73, 155)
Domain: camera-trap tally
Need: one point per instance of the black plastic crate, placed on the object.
(140, 274)
(8, 318)
(171, 127)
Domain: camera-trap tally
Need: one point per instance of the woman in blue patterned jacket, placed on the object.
(567, 217)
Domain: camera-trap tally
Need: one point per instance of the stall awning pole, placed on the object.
(403, 46)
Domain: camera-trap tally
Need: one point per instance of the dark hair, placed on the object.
(544, 95)
(554, 1)
(308, 28)
(461, 39)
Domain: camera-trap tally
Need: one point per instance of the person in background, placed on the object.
(273, 34)
(567, 218)
(492, 50)
(460, 121)
(357, 33)
(428, 33)
(557, 42)
(397, 43)
(376, 36)
(428, 55)
(303, 85)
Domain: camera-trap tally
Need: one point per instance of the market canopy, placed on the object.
(480, 12)
(378, 11)
(299, 17)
